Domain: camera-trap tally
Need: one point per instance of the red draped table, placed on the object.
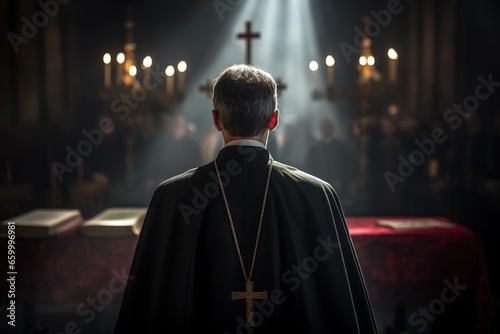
(400, 267)
(432, 268)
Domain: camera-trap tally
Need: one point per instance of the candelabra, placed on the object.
(158, 82)
(129, 87)
(370, 90)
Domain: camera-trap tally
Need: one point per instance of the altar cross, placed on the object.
(280, 86)
(249, 295)
(207, 88)
(248, 35)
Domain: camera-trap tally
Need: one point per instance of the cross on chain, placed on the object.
(249, 35)
(249, 295)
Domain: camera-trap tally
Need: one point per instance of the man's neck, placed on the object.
(252, 141)
(246, 142)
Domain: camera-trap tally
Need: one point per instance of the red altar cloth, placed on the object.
(412, 266)
(399, 267)
(66, 268)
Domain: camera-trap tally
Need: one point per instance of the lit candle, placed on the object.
(363, 74)
(182, 67)
(107, 70)
(146, 64)
(393, 65)
(370, 60)
(120, 59)
(313, 66)
(330, 61)
(170, 71)
(132, 71)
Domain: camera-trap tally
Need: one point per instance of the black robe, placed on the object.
(186, 265)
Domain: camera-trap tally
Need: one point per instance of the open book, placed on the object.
(115, 222)
(43, 223)
(413, 223)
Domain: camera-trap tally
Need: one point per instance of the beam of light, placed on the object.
(231, 51)
(287, 44)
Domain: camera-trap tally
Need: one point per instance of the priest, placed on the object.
(245, 244)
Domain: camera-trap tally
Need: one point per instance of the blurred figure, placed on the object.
(470, 171)
(144, 146)
(162, 151)
(331, 160)
(210, 144)
(296, 143)
(494, 151)
(388, 148)
(106, 162)
(175, 150)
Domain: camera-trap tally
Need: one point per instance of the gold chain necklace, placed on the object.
(249, 295)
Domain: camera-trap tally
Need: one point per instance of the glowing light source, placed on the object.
(169, 71)
(330, 61)
(182, 66)
(313, 66)
(106, 58)
(147, 62)
(120, 58)
(392, 54)
(107, 70)
(132, 71)
(393, 65)
(371, 60)
(362, 61)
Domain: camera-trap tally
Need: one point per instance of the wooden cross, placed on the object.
(249, 295)
(208, 88)
(249, 35)
(281, 86)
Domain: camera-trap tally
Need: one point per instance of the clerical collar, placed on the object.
(245, 142)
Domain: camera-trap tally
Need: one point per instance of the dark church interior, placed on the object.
(395, 103)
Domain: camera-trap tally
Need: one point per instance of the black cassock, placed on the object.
(186, 267)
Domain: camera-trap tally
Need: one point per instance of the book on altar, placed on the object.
(413, 223)
(115, 222)
(42, 223)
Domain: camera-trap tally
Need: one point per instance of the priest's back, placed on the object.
(245, 244)
(187, 267)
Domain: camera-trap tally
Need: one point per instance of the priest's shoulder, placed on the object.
(181, 181)
(299, 176)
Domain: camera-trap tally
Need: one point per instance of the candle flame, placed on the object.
(182, 66)
(392, 54)
(120, 58)
(313, 66)
(106, 58)
(147, 62)
(132, 70)
(169, 71)
(330, 61)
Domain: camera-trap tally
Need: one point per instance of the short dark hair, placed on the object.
(246, 98)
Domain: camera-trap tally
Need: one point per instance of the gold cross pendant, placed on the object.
(249, 295)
